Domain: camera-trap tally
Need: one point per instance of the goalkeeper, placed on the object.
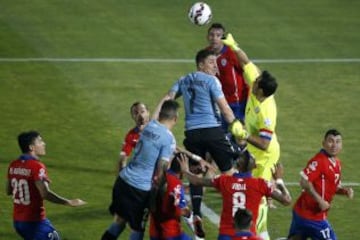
(260, 123)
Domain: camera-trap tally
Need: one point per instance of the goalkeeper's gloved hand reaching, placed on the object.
(237, 129)
(229, 41)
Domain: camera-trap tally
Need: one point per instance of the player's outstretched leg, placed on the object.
(114, 231)
(196, 193)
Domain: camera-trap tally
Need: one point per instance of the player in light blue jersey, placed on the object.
(132, 189)
(204, 102)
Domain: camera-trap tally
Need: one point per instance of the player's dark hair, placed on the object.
(216, 26)
(175, 165)
(245, 161)
(242, 219)
(267, 83)
(135, 104)
(25, 139)
(169, 110)
(202, 55)
(332, 132)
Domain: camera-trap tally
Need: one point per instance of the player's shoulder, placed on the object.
(320, 157)
(133, 132)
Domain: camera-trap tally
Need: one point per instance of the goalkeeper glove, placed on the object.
(237, 129)
(229, 41)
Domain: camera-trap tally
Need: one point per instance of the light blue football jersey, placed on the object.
(155, 142)
(200, 92)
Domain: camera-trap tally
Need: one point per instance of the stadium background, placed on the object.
(71, 69)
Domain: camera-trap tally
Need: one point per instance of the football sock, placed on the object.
(136, 235)
(115, 229)
(196, 193)
(108, 236)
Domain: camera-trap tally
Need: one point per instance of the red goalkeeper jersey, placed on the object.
(22, 174)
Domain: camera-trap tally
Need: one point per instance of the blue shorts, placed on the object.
(182, 236)
(316, 230)
(224, 237)
(42, 230)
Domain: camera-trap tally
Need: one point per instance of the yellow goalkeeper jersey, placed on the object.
(260, 120)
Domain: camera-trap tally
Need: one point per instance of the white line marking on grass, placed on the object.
(164, 60)
(215, 218)
(208, 212)
(352, 184)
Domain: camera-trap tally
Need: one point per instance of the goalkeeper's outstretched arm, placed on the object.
(241, 55)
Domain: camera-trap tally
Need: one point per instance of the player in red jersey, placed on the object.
(320, 180)
(140, 114)
(28, 183)
(241, 190)
(165, 222)
(230, 72)
(243, 221)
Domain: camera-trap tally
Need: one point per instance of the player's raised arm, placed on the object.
(203, 163)
(242, 56)
(51, 196)
(190, 176)
(169, 96)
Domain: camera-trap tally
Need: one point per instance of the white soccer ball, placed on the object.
(200, 13)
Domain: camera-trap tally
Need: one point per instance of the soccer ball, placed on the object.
(200, 13)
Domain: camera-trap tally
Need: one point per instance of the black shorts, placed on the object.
(130, 204)
(213, 141)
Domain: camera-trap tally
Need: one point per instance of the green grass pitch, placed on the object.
(82, 107)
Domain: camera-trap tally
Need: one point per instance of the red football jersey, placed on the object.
(165, 223)
(231, 76)
(240, 191)
(325, 174)
(131, 139)
(22, 174)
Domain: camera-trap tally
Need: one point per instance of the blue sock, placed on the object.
(136, 235)
(116, 229)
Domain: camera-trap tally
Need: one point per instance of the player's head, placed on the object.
(139, 113)
(32, 143)
(242, 219)
(169, 111)
(206, 61)
(214, 35)
(265, 83)
(245, 162)
(175, 165)
(332, 142)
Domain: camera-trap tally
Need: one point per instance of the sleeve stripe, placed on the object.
(265, 134)
(266, 130)
(303, 175)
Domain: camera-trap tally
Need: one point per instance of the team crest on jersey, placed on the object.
(42, 173)
(313, 165)
(257, 110)
(267, 122)
(223, 62)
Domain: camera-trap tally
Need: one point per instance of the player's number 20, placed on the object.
(21, 193)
